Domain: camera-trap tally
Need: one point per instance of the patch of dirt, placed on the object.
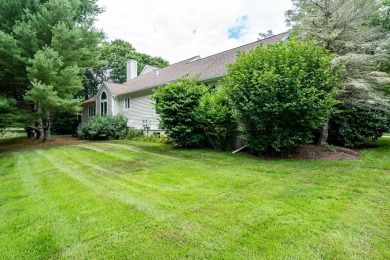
(314, 152)
(14, 144)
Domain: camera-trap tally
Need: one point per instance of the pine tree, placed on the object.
(45, 48)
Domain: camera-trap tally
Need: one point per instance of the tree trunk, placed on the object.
(31, 133)
(39, 130)
(46, 134)
(323, 139)
(46, 125)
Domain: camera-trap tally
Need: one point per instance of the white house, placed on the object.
(132, 98)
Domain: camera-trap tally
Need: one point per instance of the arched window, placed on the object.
(103, 104)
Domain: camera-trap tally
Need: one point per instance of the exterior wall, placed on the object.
(118, 106)
(109, 100)
(85, 111)
(140, 107)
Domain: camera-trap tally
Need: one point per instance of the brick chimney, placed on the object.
(131, 69)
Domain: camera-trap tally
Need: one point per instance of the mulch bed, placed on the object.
(314, 152)
(27, 143)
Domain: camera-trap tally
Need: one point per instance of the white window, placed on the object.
(103, 104)
(92, 110)
(127, 103)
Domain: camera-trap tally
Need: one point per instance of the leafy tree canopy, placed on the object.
(354, 30)
(115, 55)
(281, 93)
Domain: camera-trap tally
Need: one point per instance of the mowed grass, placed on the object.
(122, 199)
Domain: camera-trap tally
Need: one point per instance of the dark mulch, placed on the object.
(314, 152)
(22, 143)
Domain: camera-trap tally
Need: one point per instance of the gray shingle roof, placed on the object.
(207, 68)
(92, 99)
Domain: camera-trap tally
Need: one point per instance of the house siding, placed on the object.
(141, 107)
(84, 113)
(118, 106)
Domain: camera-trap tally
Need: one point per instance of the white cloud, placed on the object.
(179, 29)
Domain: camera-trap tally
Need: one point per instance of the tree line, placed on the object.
(52, 57)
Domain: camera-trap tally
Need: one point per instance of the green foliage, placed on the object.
(65, 124)
(357, 32)
(48, 67)
(177, 103)
(353, 126)
(103, 127)
(133, 133)
(280, 93)
(53, 86)
(46, 44)
(7, 110)
(115, 55)
(216, 118)
(152, 138)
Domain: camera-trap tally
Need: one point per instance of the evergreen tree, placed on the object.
(45, 48)
(345, 28)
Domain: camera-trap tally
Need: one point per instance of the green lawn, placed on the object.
(122, 199)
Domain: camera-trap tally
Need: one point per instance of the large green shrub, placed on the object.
(176, 104)
(280, 93)
(216, 118)
(103, 127)
(355, 125)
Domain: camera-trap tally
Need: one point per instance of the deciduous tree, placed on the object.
(280, 94)
(346, 28)
(115, 55)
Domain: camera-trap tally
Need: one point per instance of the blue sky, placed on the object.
(179, 29)
(236, 31)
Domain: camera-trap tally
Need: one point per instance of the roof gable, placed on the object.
(148, 68)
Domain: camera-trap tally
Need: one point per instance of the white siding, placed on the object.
(118, 106)
(84, 113)
(141, 106)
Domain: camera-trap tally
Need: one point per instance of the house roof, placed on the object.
(148, 68)
(92, 99)
(207, 68)
(114, 88)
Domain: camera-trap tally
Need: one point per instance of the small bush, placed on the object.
(133, 133)
(103, 127)
(155, 138)
(137, 135)
(355, 125)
